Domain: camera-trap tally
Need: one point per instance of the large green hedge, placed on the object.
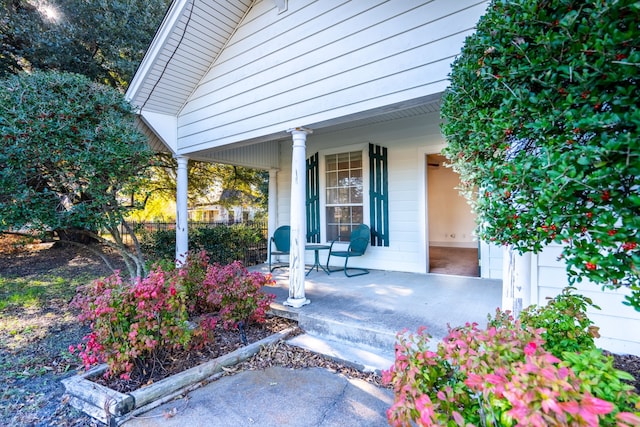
(542, 124)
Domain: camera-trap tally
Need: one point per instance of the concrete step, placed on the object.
(364, 345)
(342, 329)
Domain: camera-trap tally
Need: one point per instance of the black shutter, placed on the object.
(313, 200)
(379, 195)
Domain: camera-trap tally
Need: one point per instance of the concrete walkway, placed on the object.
(351, 319)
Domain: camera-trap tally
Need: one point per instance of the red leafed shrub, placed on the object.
(504, 376)
(235, 294)
(132, 323)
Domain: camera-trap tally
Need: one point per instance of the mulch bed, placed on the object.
(178, 360)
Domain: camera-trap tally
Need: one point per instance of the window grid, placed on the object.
(344, 194)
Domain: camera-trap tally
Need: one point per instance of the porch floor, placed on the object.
(369, 310)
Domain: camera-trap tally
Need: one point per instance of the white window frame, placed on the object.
(322, 172)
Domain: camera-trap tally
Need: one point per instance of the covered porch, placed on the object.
(356, 319)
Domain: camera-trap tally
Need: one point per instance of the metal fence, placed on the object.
(237, 245)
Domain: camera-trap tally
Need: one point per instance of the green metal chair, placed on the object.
(358, 244)
(282, 241)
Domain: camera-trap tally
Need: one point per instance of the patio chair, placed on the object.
(282, 242)
(358, 244)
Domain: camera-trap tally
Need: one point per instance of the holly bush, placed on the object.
(70, 151)
(542, 124)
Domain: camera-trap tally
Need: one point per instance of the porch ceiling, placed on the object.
(413, 108)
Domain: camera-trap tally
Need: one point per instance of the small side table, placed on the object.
(316, 248)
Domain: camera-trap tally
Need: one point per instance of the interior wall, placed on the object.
(451, 222)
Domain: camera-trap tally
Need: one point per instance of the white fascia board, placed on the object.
(158, 43)
(165, 126)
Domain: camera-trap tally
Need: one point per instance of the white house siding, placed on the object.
(406, 140)
(491, 257)
(619, 324)
(191, 35)
(320, 61)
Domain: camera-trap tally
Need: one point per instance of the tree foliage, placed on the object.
(102, 39)
(70, 150)
(542, 124)
(211, 183)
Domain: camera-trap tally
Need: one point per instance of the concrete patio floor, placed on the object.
(369, 310)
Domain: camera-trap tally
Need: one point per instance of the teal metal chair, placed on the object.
(358, 244)
(281, 240)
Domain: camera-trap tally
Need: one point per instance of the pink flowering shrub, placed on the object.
(499, 376)
(132, 323)
(191, 274)
(235, 294)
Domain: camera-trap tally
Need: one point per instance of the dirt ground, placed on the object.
(37, 282)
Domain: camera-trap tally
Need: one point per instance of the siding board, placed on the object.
(336, 55)
(327, 60)
(315, 110)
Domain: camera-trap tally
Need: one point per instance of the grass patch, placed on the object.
(20, 292)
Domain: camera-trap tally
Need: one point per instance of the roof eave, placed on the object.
(158, 43)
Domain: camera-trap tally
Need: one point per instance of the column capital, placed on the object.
(299, 130)
(180, 158)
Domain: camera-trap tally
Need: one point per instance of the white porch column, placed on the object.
(182, 215)
(273, 202)
(298, 220)
(516, 281)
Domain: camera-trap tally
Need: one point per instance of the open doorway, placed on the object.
(452, 249)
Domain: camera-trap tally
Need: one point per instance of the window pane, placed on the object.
(356, 194)
(356, 159)
(343, 161)
(332, 232)
(343, 178)
(332, 196)
(332, 180)
(344, 194)
(331, 163)
(345, 233)
(356, 215)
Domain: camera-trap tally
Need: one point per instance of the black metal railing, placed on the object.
(224, 242)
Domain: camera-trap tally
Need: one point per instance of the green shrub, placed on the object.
(565, 321)
(223, 243)
(504, 375)
(541, 122)
(159, 245)
(602, 380)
